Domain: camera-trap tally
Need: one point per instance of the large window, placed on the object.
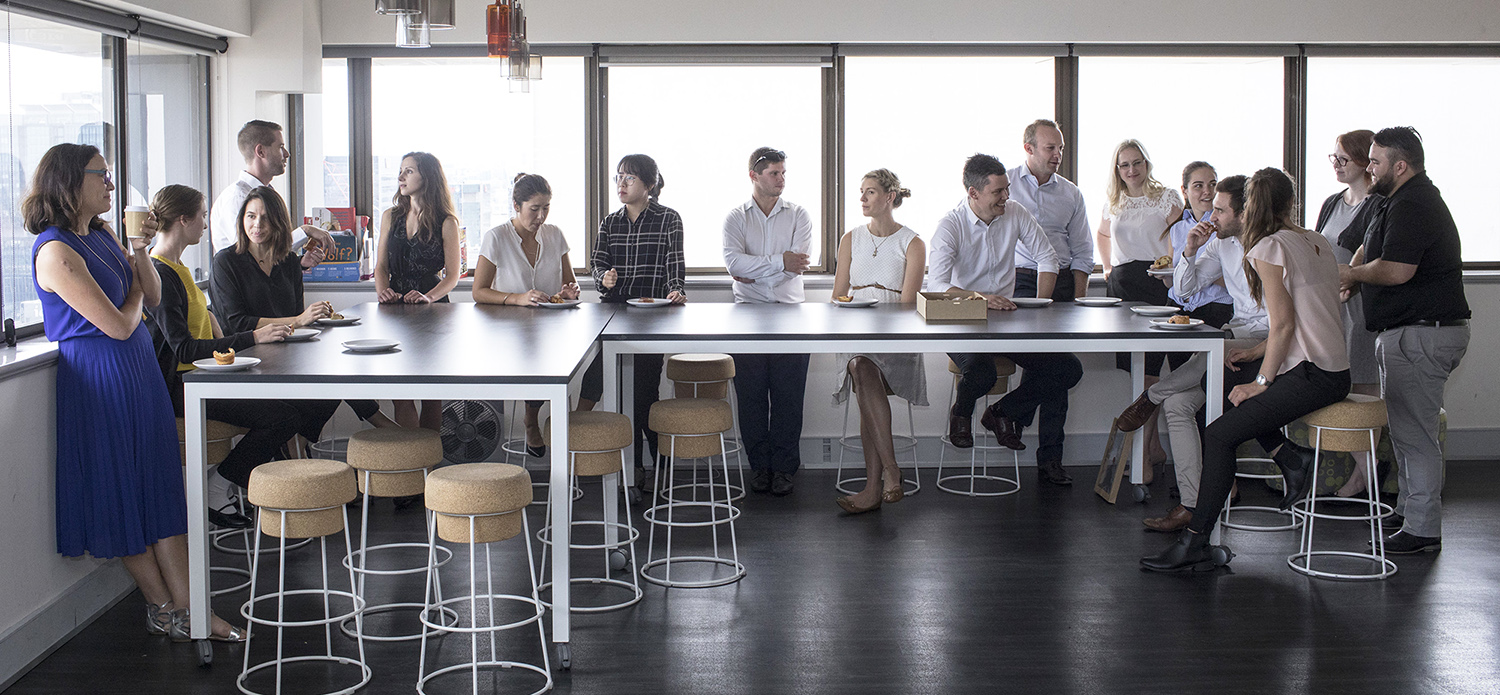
(167, 138)
(461, 111)
(58, 80)
(325, 159)
(700, 124)
(922, 117)
(1453, 102)
(1225, 111)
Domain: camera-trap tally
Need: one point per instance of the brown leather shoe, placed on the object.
(1174, 521)
(1007, 432)
(1135, 414)
(961, 430)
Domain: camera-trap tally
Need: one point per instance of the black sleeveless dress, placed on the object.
(414, 264)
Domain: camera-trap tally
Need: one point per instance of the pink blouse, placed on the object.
(1310, 273)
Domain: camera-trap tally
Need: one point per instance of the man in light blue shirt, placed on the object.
(1058, 206)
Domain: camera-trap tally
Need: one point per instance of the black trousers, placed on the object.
(1300, 391)
(1061, 292)
(769, 390)
(1044, 387)
(1129, 282)
(271, 424)
(313, 415)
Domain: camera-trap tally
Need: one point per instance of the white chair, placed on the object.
(968, 484)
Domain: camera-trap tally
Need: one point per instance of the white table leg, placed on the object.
(1138, 443)
(197, 513)
(1214, 407)
(562, 489)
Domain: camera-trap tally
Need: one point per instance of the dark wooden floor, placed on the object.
(1034, 593)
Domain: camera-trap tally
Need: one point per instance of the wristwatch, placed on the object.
(1262, 380)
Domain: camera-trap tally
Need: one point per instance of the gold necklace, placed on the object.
(880, 242)
(84, 240)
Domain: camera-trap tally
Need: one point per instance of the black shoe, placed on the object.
(536, 451)
(781, 484)
(1007, 432)
(961, 431)
(406, 502)
(1394, 521)
(1052, 472)
(1295, 463)
(232, 519)
(1403, 543)
(1189, 552)
(760, 480)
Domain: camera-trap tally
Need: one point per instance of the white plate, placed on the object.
(1162, 273)
(1098, 301)
(655, 303)
(857, 303)
(1164, 325)
(302, 334)
(564, 304)
(1031, 302)
(1156, 310)
(346, 321)
(208, 364)
(370, 345)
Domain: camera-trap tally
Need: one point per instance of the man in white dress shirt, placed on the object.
(974, 250)
(1212, 252)
(766, 248)
(264, 149)
(1058, 206)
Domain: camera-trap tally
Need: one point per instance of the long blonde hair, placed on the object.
(1115, 193)
(1270, 203)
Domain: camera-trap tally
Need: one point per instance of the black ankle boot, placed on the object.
(1295, 463)
(1189, 552)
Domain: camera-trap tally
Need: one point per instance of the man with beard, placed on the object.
(1058, 206)
(1411, 272)
(265, 153)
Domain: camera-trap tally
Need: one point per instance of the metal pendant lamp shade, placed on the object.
(399, 7)
(441, 14)
(412, 31)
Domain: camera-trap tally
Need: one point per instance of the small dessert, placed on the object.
(335, 316)
(1162, 263)
(1180, 319)
(843, 298)
(556, 299)
(645, 300)
(224, 357)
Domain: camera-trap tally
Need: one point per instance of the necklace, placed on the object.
(118, 274)
(879, 241)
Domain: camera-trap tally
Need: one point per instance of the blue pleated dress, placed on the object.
(119, 472)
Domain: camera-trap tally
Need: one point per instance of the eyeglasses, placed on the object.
(625, 179)
(1135, 163)
(1337, 160)
(104, 173)
(773, 156)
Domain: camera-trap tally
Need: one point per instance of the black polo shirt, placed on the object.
(1414, 226)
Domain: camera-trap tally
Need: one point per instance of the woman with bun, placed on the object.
(258, 283)
(882, 260)
(638, 254)
(417, 261)
(119, 474)
(524, 262)
(184, 331)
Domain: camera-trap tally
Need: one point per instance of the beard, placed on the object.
(1384, 185)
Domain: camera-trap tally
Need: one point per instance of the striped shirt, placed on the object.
(647, 254)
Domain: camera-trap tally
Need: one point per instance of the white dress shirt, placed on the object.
(513, 273)
(972, 255)
(1058, 206)
(1223, 258)
(753, 244)
(226, 208)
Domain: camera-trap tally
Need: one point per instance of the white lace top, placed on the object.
(1137, 228)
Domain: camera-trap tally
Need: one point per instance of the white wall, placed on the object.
(218, 17)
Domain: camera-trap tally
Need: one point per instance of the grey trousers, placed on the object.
(1180, 396)
(1415, 362)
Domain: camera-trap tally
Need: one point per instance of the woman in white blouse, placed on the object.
(524, 262)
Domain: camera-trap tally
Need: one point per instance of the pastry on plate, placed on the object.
(1180, 319)
(843, 298)
(1162, 263)
(224, 357)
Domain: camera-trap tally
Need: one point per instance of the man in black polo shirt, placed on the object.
(1411, 272)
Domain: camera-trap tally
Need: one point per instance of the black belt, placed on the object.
(1436, 324)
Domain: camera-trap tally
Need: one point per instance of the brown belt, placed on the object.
(877, 286)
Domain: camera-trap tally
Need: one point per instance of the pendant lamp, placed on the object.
(398, 7)
(412, 31)
(441, 14)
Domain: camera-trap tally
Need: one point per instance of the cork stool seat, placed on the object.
(476, 504)
(692, 428)
(218, 443)
(303, 498)
(850, 441)
(979, 481)
(596, 448)
(1352, 425)
(710, 375)
(391, 462)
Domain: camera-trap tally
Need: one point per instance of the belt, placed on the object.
(1437, 324)
(876, 286)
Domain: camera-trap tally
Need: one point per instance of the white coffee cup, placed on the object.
(135, 219)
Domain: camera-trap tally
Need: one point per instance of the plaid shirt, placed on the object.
(647, 254)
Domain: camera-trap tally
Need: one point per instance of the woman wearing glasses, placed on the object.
(638, 254)
(119, 474)
(885, 261)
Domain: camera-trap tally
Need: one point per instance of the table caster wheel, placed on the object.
(564, 657)
(205, 653)
(617, 560)
(1141, 493)
(1220, 555)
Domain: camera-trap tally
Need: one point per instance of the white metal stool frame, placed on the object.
(1301, 561)
(362, 570)
(732, 444)
(1224, 520)
(899, 442)
(247, 610)
(443, 606)
(509, 445)
(611, 530)
(714, 506)
(216, 534)
(979, 458)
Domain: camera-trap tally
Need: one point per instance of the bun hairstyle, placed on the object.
(1270, 202)
(175, 202)
(525, 186)
(889, 183)
(644, 168)
(56, 184)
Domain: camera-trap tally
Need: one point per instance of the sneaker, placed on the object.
(781, 484)
(760, 480)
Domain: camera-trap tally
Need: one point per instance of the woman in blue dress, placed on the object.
(119, 473)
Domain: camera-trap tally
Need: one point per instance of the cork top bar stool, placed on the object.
(1352, 425)
(850, 441)
(481, 504)
(303, 498)
(692, 428)
(979, 482)
(219, 442)
(710, 375)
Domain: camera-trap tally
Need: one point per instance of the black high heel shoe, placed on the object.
(1295, 463)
